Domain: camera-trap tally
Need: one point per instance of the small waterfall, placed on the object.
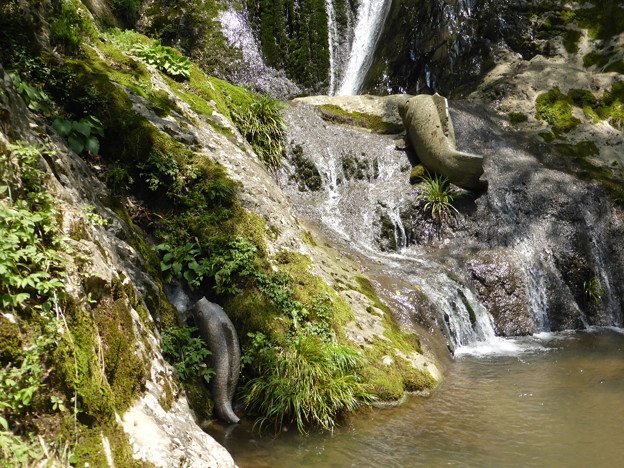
(349, 208)
(371, 16)
(332, 36)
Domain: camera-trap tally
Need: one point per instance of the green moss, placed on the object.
(78, 369)
(308, 238)
(124, 366)
(390, 381)
(306, 286)
(306, 173)
(10, 342)
(166, 401)
(570, 40)
(603, 20)
(611, 106)
(199, 399)
(89, 449)
(416, 173)
(367, 288)
(517, 117)
(548, 137)
(615, 67)
(579, 150)
(374, 123)
(595, 58)
(294, 37)
(555, 108)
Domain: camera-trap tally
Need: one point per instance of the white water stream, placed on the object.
(332, 37)
(371, 16)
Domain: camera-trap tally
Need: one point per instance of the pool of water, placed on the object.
(547, 401)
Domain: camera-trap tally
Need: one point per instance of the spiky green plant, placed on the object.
(438, 197)
(594, 290)
(259, 119)
(307, 382)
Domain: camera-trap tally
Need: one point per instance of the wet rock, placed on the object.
(503, 292)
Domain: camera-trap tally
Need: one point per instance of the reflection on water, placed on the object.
(547, 401)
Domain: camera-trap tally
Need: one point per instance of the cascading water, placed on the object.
(366, 191)
(529, 250)
(332, 37)
(371, 15)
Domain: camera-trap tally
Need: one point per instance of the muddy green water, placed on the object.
(549, 401)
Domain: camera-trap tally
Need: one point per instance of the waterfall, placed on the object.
(332, 37)
(371, 16)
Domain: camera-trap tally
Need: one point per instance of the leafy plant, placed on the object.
(183, 262)
(186, 352)
(30, 261)
(438, 198)
(36, 99)
(93, 218)
(80, 135)
(259, 120)
(164, 58)
(118, 179)
(305, 382)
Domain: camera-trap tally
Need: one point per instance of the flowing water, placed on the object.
(371, 15)
(553, 400)
(332, 38)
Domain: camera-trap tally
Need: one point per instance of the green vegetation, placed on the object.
(595, 58)
(258, 119)
(187, 352)
(306, 173)
(165, 59)
(374, 123)
(517, 117)
(359, 168)
(555, 108)
(437, 198)
(594, 291)
(80, 135)
(96, 366)
(293, 36)
(306, 382)
(570, 41)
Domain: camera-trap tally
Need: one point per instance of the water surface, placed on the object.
(547, 401)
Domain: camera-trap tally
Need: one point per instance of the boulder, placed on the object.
(430, 130)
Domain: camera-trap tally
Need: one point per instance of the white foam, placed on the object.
(498, 346)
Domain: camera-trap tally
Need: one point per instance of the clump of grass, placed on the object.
(306, 382)
(438, 197)
(259, 119)
(555, 108)
(594, 290)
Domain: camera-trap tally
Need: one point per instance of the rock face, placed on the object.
(159, 424)
(430, 129)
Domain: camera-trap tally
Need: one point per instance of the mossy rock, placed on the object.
(374, 123)
(595, 58)
(517, 117)
(417, 173)
(555, 108)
